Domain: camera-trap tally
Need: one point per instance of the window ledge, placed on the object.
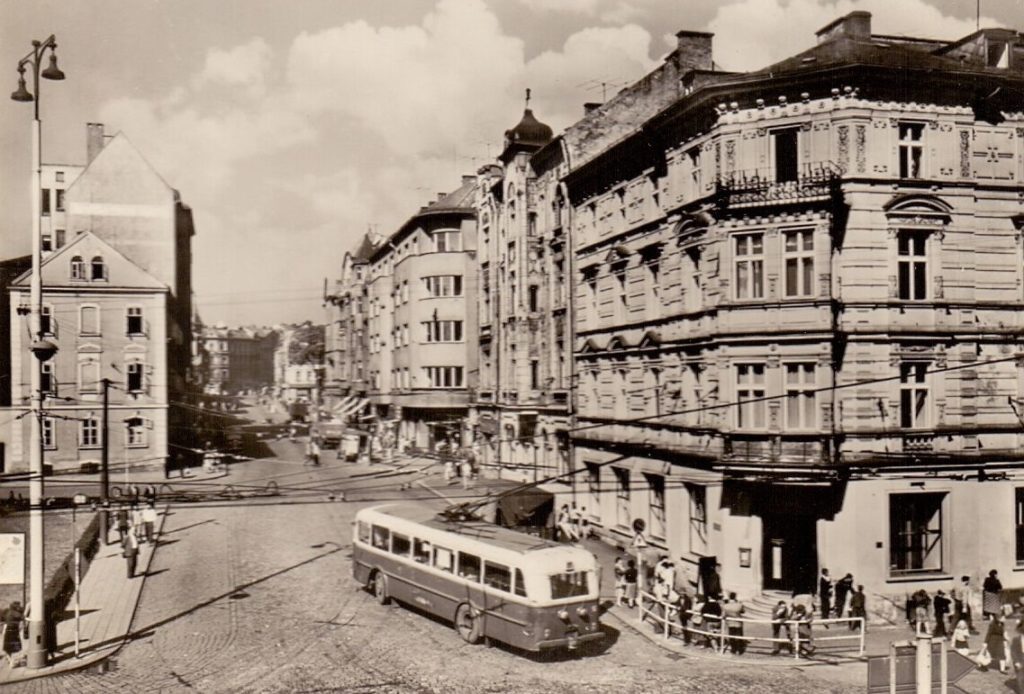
(939, 576)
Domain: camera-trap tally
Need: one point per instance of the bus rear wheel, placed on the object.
(467, 623)
(380, 588)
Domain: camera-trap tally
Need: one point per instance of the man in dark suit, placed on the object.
(1017, 655)
(825, 594)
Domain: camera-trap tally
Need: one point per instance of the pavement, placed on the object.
(107, 602)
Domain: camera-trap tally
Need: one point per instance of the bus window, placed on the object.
(469, 566)
(381, 538)
(520, 585)
(497, 576)
(400, 545)
(569, 585)
(444, 559)
(364, 532)
(421, 551)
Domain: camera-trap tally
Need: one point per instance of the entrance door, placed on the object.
(790, 552)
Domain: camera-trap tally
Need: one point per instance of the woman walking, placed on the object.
(995, 642)
(991, 597)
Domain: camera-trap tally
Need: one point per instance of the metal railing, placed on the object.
(714, 629)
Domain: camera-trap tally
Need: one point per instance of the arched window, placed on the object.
(77, 268)
(99, 268)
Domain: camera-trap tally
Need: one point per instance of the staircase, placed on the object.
(761, 606)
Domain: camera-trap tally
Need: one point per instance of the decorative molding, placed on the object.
(844, 148)
(965, 154)
(861, 147)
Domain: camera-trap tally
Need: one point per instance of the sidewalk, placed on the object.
(107, 605)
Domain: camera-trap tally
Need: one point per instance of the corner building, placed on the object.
(797, 310)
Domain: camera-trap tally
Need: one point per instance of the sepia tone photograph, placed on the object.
(512, 346)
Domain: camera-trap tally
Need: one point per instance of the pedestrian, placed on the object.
(577, 520)
(733, 611)
(844, 587)
(639, 548)
(136, 520)
(1017, 655)
(585, 530)
(466, 470)
(713, 587)
(685, 612)
(825, 594)
(315, 450)
(565, 526)
(940, 608)
(130, 550)
(858, 608)
(631, 576)
(921, 604)
(449, 470)
(13, 618)
(991, 596)
(122, 522)
(780, 620)
(149, 494)
(149, 517)
(804, 619)
(961, 638)
(620, 579)
(995, 641)
(711, 618)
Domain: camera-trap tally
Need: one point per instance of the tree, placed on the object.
(307, 345)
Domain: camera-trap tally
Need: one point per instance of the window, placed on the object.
(59, 177)
(421, 551)
(653, 279)
(89, 376)
(400, 545)
(534, 374)
(44, 201)
(381, 538)
(46, 383)
(89, 433)
(135, 432)
(785, 159)
(571, 584)
(446, 241)
(46, 320)
(444, 559)
(364, 532)
(89, 320)
(511, 251)
(444, 376)
(911, 149)
(498, 576)
(520, 584)
(799, 256)
(622, 507)
(912, 278)
(444, 285)
(99, 268)
(693, 156)
(134, 320)
(1019, 498)
(532, 295)
(469, 566)
(749, 266)
(656, 501)
(77, 268)
(49, 431)
(59, 203)
(998, 54)
(46, 243)
(915, 533)
(914, 395)
(801, 405)
(60, 238)
(443, 331)
(134, 377)
(750, 414)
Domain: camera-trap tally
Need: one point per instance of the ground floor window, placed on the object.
(622, 497)
(915, 533)
(594, 488)
(656, 501)
(1020, 524)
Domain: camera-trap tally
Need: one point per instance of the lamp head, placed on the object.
(21, 93)
(52, 72)
(43, 349)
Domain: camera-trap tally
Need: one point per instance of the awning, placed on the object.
(339, 407)
(356, 405)
(527, 506)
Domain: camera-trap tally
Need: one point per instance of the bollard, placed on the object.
(924, 664)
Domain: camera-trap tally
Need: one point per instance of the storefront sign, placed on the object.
(12, 558)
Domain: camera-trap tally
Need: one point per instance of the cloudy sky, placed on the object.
(292, 126)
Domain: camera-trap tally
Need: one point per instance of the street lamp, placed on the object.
(42, 349)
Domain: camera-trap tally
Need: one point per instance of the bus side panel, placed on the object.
(509, 622)
(361, 564)
(435, 594)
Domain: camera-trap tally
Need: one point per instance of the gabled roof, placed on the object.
(122, 273)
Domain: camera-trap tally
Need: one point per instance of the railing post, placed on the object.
(666, 612)
(722, 631)
(863, 630)
(796, 640)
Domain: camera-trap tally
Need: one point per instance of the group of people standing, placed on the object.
(572, 524)
(134, 526)
(839, 599)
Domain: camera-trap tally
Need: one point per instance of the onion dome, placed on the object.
(528, 135)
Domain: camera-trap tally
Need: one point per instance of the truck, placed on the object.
(328, 432)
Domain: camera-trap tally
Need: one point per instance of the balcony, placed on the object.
(485, 332)
(918, 443)
(761, 188)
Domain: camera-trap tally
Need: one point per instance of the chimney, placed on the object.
(590, 107)
(468, 178)
(856, 25)
(693, 51)
(94, 141)
(440, 197)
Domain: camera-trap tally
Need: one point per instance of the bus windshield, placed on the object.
(569, 585)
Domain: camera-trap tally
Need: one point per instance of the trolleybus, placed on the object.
(491, 582)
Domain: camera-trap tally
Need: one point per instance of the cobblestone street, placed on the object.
(259, 597)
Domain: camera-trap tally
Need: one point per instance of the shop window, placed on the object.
(915, 533)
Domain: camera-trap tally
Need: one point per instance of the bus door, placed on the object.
(507, 618)
(470, 570)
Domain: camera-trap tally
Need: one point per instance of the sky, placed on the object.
(290, 127)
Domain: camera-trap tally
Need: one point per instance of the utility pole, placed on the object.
(105, 465)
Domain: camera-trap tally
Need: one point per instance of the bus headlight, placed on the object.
(547, 633)
(563, 614)
(582, 612)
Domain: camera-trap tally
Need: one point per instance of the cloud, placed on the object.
(564, 6)
(751, 34)
(244, 66)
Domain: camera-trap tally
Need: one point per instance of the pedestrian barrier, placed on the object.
(714, 629)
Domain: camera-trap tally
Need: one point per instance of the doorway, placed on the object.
(789, 552)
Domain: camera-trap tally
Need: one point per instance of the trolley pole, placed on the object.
(105, 465)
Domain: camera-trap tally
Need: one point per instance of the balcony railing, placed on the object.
(761, 187)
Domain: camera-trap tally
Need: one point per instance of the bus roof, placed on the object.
(487, 533)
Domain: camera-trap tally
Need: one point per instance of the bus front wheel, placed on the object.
(380, 588)
(467, 622)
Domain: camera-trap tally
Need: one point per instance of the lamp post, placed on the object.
(42, 349)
